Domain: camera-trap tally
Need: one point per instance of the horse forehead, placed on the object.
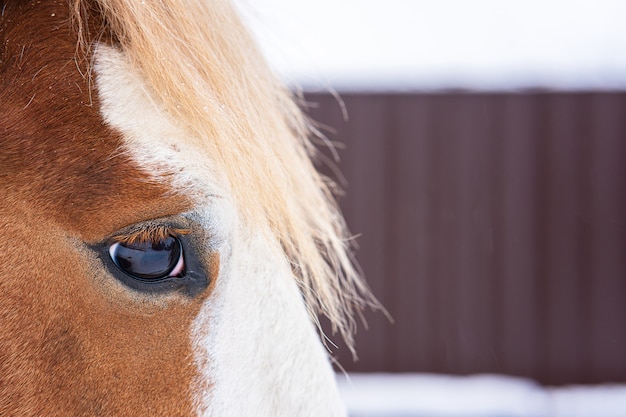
(57, 150)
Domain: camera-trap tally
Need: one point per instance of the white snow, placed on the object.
(426, 395)
(428, 45)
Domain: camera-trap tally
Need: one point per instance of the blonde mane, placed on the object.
(204, 68)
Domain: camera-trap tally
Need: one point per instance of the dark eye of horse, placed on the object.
(149, 261)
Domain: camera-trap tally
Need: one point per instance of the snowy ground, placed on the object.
(423, 395)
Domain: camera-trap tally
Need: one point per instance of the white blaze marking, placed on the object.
(258, 353)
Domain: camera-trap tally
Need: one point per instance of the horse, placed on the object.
(169, 244)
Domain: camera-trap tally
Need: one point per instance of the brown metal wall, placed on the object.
(493, 230)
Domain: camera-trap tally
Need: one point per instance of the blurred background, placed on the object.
(483, 154)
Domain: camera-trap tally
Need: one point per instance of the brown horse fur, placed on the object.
(71, 341)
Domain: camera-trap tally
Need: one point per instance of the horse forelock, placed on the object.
(210, 78)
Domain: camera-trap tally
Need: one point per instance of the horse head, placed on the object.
(168, 242)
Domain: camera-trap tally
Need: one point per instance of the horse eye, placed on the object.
(149, 261)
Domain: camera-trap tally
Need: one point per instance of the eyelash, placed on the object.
(153, 233)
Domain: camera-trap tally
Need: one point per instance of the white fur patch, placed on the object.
(258, 353)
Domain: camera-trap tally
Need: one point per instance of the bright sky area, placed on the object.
(430, 45)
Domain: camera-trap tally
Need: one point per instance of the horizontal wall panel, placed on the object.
(491, 226)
